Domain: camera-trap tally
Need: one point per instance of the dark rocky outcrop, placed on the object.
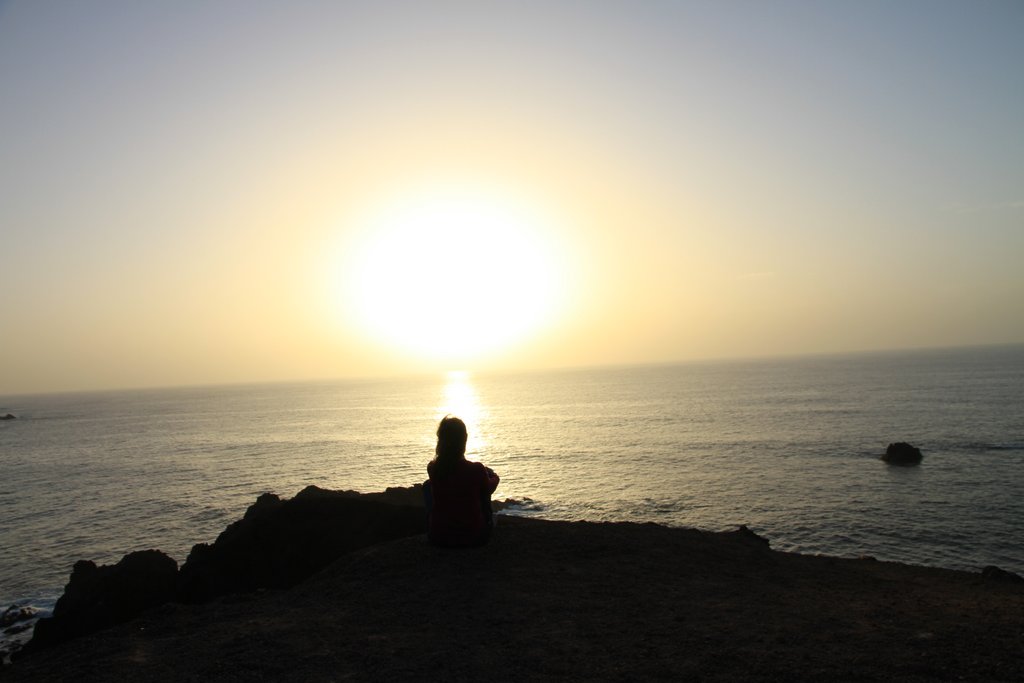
(413, 497)
(97, 597)
(994, 573)
(902, 453)
(280, 542)
(744, 532)
(276, 544)
(8, 416)
(16, 618)
(593, 601)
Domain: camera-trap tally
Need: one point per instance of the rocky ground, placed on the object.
(550, 600)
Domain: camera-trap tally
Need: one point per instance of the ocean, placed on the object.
(789, 447)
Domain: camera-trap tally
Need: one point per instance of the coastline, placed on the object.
(548, 599)
(168, 468)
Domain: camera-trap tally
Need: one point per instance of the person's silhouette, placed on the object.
(458, 493)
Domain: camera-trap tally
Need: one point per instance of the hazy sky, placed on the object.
(187, 187)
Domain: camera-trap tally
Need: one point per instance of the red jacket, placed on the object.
(457, 516)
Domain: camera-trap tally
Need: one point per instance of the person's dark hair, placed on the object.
(451, 445)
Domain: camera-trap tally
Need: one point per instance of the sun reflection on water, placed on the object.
(459, 398)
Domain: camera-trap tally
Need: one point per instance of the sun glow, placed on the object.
(459, 398)
(454, 274)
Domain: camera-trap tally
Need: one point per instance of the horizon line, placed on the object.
(516, 371)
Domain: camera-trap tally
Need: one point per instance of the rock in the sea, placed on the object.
(16, 613)
(97, 597)
(8, 416)
(280, 542)
(902, 453)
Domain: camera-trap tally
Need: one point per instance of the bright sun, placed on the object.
(454, 274)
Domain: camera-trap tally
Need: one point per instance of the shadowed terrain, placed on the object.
(548, 600)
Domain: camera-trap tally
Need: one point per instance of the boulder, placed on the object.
(902, 453)
(100, 596)
(8, 416)
(280, 542)
(16, 613)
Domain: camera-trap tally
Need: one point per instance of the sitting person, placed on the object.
(458, 493)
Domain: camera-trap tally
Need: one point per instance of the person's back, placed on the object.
(458, 515)
(458, 492)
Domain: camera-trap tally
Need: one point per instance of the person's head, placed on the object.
(451, 440)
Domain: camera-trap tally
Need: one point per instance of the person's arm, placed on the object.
(491, 478)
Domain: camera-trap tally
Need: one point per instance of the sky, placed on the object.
(219, 192)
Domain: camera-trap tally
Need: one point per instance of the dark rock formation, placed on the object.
(15, 614)
(994, 573)
(413, 497)
(392, 495)
(280, 542)
(8, 416)
(744, 532)
(97, 597)
(575, 601)
(276, 544)
(902, 453)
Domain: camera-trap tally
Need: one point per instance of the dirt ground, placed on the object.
(559, 600)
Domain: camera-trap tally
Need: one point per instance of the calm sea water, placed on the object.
(788, 447)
